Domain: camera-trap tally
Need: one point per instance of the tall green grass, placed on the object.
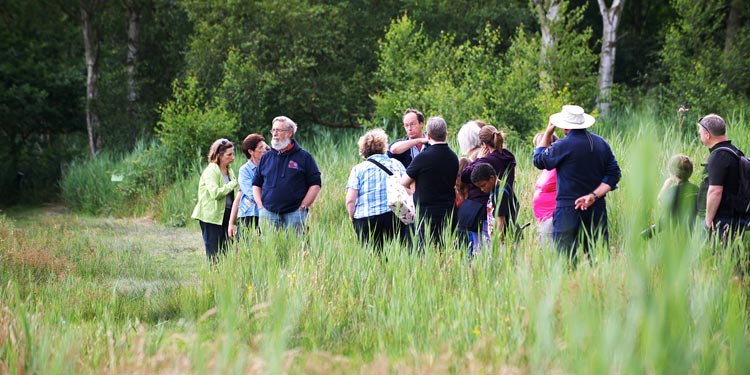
(324, 304)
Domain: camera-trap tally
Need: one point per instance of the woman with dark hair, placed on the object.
(244, 207)
(473, 215)
(216, 190)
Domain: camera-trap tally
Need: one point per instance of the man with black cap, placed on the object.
(586, 171)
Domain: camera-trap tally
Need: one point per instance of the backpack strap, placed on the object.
(386, 170)
(729, 150)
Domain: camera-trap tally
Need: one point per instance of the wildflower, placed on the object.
(249, 288)
(476, 331)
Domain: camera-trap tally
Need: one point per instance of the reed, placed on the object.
(103, 298)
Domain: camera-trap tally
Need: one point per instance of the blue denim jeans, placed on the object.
(295, 220)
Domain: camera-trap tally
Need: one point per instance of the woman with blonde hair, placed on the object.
(216, 190)
(472, 215)
(366, 195)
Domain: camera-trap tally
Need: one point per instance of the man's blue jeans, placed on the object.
(294, 220)
(570, 224)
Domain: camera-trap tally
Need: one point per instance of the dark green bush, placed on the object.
(191, 122)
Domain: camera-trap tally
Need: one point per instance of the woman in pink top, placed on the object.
(544, 201)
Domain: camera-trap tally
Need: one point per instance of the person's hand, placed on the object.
(584, 202)
(550, 128)
(232, 231)
(709, 224)
(232, 183)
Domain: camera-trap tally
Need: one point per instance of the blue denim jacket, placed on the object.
(247, 203)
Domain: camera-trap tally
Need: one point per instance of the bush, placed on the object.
(190, 122)
(469, 81)
(694, 60)
(87, 186)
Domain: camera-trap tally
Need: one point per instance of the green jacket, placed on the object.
(212, 192)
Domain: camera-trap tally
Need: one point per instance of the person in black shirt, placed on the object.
(406, 149)
(721, 178)
(434, 173)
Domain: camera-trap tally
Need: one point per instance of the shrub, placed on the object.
(190, 122)
(693, 59)
(87, 186)
(475, 80)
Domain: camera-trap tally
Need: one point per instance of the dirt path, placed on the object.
(179, 249)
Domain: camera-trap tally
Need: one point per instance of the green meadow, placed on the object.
(129, 291)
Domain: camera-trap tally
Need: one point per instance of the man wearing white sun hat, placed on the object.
(586, 171)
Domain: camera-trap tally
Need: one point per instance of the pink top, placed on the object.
(545, 192)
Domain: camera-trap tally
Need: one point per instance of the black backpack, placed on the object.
(741, 199)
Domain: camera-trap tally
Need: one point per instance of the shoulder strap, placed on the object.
(727, 149)
(386, 170)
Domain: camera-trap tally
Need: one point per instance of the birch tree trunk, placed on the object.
(610, 20)
(91, 41)
(134, 24)
(547, 12)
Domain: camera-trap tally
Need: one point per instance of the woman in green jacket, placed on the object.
(216, 191)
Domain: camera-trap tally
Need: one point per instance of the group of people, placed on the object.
(475, 195)
(472, 195)
(275, 188)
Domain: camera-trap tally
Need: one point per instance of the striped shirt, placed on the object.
(370, 182)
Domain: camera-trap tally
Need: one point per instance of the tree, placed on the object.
(610, 21)
(89, 10)
(134, 30)
(40, 98)
(548, 16)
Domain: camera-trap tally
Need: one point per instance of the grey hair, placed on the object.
(468, 137)
(714, 124)
(437, 129)
(287, 122)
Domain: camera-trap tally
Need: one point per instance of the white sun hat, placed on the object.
(572, 117)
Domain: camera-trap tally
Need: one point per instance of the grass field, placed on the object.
(83, 294)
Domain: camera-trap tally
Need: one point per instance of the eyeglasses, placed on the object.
(273, 131)
(224, 142)
(263, 148)
(413, 124)
(703, 126)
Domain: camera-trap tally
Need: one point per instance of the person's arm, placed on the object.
(713, 199)
(233, 216)
(612, 174)
(215, 186)
(542, 157)
(407, 181)
(466, 173)
(351, 200)
(547, 137)
(245, 180)
(400, 147)
(584, 202)
(500, 227)
(309, 199)
(257, 194)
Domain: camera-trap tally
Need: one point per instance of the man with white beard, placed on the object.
(287, 180)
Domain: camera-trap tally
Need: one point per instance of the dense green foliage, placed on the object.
(468, 80)
(340, 64)
(87, 295)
